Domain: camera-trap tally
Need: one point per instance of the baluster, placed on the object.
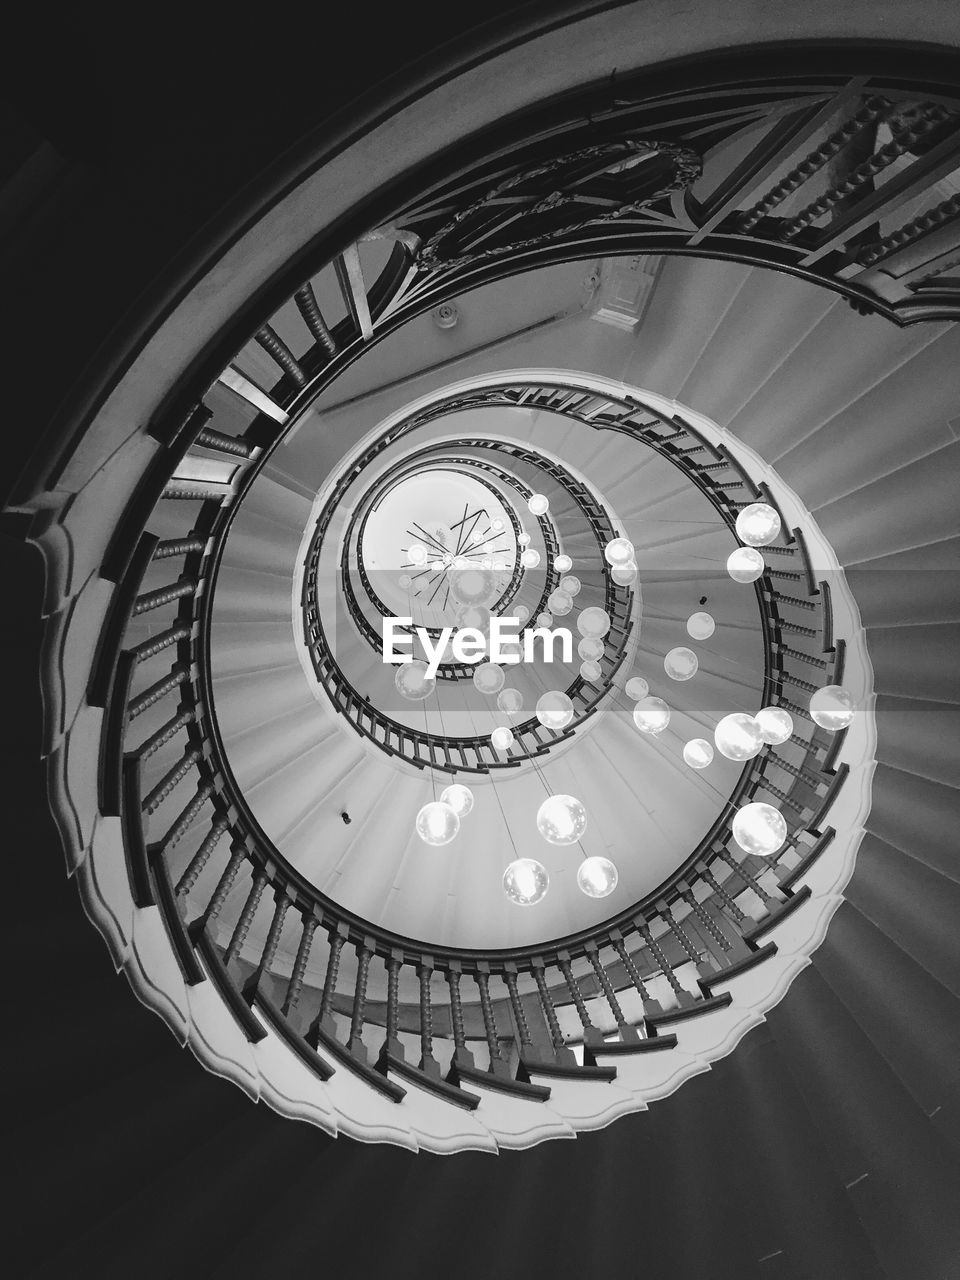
(271, 944)
(355, 1043)
(162, 640)
(156, 691)
(183, 823)
(211, 439)
(725, 899)
(428, 1062)
(177, 546)
(295, 986)
(782, 796)
(392, 1046)
(461, 1054)
(170, 780)
(482, 978)
(561, 1053)
(794, 628)
(275, 347)
(325, 1015)
(705, 966)
(748, 878)
(786, 652)
(224, 885)
(651, 1007)
(307, 305)
(626, 1031)
(683, 996)
(519, 1017)
(163, 735)
(246, 916)
(810, 779)
(202, 856)
(591, 1034)
(164, 595)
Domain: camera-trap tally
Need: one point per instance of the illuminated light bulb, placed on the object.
(412, 681)
(526, 882)
(496, 524)
(437, 823)
(417, 553)
(530, 558)
(560, 603)
(570, 585)
(681, 663)
(759, 829)
(758, 524)
(597, 877)
(523, 539)
(510, 701)
(475, 615)
(562, 564)
(593, 623)
(745, 564)
(489, 677)
(561, 820)
(545, 620)
(521, 613)
(499, 565)
(776, 725)
(538, 504)
(447, 558)
(591, 671)
(618, 553)
(738, 737)
(486, 562)
(436, 566)
(458, 797)
(404, 581)
(591, 650)
(832, 708)
(651, 715)
(700, 626)
(624, 575)
(501, 738)
(636, 688)
(554, 710)
(698, 753)
(472, 586)
(461, 562)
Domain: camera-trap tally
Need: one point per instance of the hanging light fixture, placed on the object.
(510, 701)
(591, 671)
(776, 725)
(476, 616)
(758, 524)
(496, 525)
(554, 710)
(624, 575)
(738, 737)
(404, 582)
(562, 563)
(561, 820)
(597, 877)
(412, 681)
(559, 603)
(636, 688)
(618, 553)
(698, 753)
(417, 553)
(526, 882)
(700, 626)
(651, 715)
(538, 504)
(437, 566)
(437, 823)
(571, 585)
(474, 585)
(745, 564)
(489, 677)
(545, 620)
(458, 797)
(681, 663)
(523, 538)
(521, 613)
(591, 650)
(501, 738)
(530, 558)
(832, 707)
(593, 623)
(759, 829)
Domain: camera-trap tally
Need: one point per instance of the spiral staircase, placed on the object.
(237, 813)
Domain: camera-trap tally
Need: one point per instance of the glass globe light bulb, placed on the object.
(571, 585)
(651, 715)
(562, 563)
(745, 564)
(759, 829)
(738, 737)
(510, 701)
(525, 882)
(776, 725)
(832, 708)
(496, 524)
(530, 558)
(521, 613)
(593, 623)
(591, 650)
(624, 575)
(559, 603)
(437, 823)
(597, 877)
(554, 710)
(700, 626)
(501, 738)
(412, 681)
(499, 565)
(489, 677)
(458, 797)
(681, 663)
(545, 620)
(404, 581)
(475, 585)
(437, 566)
(636, 688)
(698, 753)
(461, 562)
(417, 553)
(487, 562)
(618, 553)
(758, 524)
(523, 539)
(561, 820)
(591, 671)
(476, 616)
(538, 504)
